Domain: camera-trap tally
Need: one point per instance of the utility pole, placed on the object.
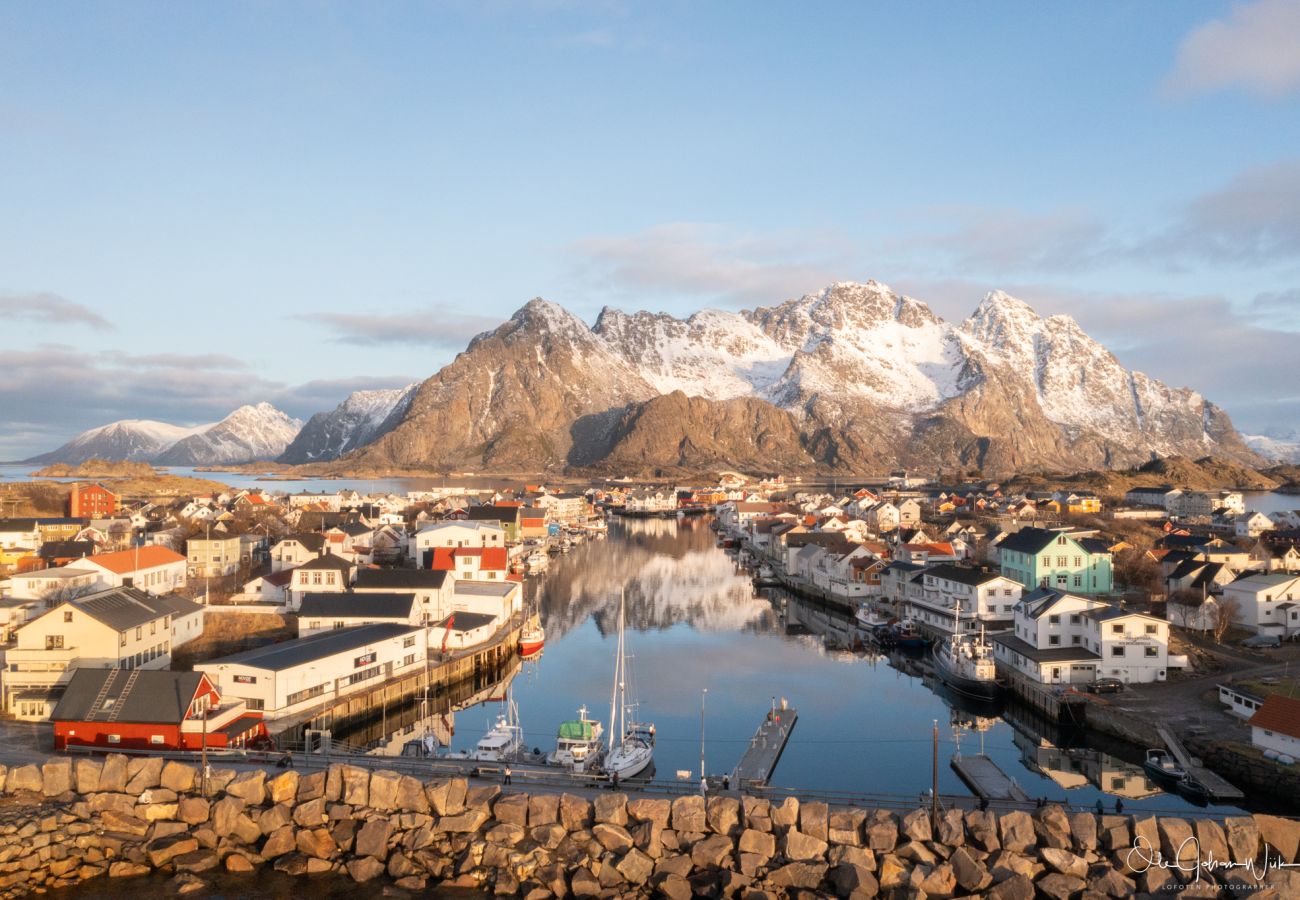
(704, 693)
(934, 779)
(203, 754)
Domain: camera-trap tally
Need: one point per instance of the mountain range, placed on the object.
(1277, 444)
(852, 378)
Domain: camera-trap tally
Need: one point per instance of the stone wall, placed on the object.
(72, 820)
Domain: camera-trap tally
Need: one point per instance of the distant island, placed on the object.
(98, 468)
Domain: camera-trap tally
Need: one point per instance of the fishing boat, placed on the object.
(868, 618)
(1161, 766)
(632, 743)
(504, 741)
(531, 640)
(965, 662)
(578, 743)
(1193, 791)
(537, 561)
(907, 636)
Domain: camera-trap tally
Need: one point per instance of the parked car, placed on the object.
(1262, 640)
(1106, 686)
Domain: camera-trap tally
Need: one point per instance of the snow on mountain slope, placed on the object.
(355, 422)
(1275, 444)
(128, 439)
(253, 432)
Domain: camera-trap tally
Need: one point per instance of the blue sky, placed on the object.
(209, 204)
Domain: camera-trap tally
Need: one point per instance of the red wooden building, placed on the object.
(92, 501)
(151, 709)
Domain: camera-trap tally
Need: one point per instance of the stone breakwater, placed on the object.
(70, 821)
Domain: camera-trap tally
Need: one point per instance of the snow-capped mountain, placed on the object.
(1277, 444)
(249, 433)
(258, 431)
(130, 439)
(855, 377)
(355, 422)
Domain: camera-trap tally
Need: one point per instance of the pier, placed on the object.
(1219, 788)
(765, 747)
(986, 780)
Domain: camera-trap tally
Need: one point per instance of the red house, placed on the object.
(150, 709)
(92, 501)
(473, 563)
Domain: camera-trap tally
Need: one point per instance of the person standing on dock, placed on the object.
(704, 786)
(507, 773)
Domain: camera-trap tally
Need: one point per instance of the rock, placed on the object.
(113, 774)
(344, 832)
(482, 796)
(512, 809)
(844, 826)
(372, 839)
(723, 815)
(1064, 861)
(969, 873)
(224, 813)
(505, 834)
(311, 786)
(356, 785)
(1016, 831)
(1017, 887)
(940, 882)
(311, 813)
(1054, 828)
(1083, 825)
(853, 881)
(548, 836)
(85, 773)
(157, 812)
(25, 778)
(813, 819)
(179, 777)
(468, 821)
(238, 863)
(316, 843)
(881, 831)
(797, 846)
(675, 887)
(787, 814)
(197, 861)
(279, 842)
(143, 774)
(193, 810)
(712, 852)
(1177, 841)
(187, 883)
(1243, 838)
(635, 866)
(164, 850)
(798, 875)
(917, 852)
(283, 788)
(845, 855)
(365, 869)
(124, 869)
(1004, 864)
(916, 825)
(1211, 841)
(123, 824)
(1283, 835)
(411, 796)
(1114, 833)
(645, 809)
(981, 829)
(612, 837)
(1059, 887)
(584, 884)
(610, 809)
(951, 829)
(543, 809)
(689, 815)
(1111, 883)
(292, 864)
(249, 787)
(759, 843)
(275, 818)
(383, 790)
(575, 812)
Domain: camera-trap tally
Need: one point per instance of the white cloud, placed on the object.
(433, 326)
(49, 309)
(1256, 48)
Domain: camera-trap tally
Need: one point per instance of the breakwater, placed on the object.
(73, 821)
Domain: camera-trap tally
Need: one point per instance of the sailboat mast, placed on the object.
(616, 733)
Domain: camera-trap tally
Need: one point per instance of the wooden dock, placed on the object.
(1219, 788)
(765, 747)
(985, 779)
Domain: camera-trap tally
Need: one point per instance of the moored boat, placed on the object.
(868, 618)
(504, 741)
(632, 743)
(1161, 766)
(965, 663)
(907, 636)
(531, 640)
(578, 743)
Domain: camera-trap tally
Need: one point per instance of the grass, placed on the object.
(227, 633)
(1261, 687)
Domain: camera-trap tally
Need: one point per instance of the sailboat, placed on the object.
(632, 743)
(504, 741)
(965, 663)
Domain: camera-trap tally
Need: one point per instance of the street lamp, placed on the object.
(703, 693)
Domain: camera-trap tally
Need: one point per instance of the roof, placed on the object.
(156, 695)
(311, 541)
(493, 513)
(467, 621)
(489, 557)
(485, 588)
(328, 561)
(399, 579)
(10, 526)
(287, 655)
(1279, 713)
(577, 730)
(1029, 540)
(349, 605)
(122, 608)
(1050, 654)
(66, 549)
(963, 574)
(124, 561)
(1040, 600)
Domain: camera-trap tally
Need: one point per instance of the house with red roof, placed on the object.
(157, 570)
(472, 563)
(1276, 726)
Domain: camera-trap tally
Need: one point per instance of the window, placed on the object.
(1054, 640)
(54, 642)
(153, 627)
(339, 623)
(315, 577)
(409, 641)
(329, 577)
(1062, 562)
(1117, 629)
(139, 632)
(1078, 581)
(155, 738)
(1054, 619)
(1151, 629)
(1078, 561)
(409, 659)
(1075, 619)
(1152, 651)
(67, 616)
(115, 738)
(255, 704)
(1116, 651)
(1076, 639)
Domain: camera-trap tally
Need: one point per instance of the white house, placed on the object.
(156, 570)
(1252, 524)
(432, 589)
(458, 534)
(1276, 726)
(565, 507)
(325, 612)
(52, 584)
(984, 598)
(295, 549)
(1267, 603)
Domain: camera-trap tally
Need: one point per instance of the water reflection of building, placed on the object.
(1076, 768)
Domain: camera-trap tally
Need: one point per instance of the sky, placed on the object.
(206, 205)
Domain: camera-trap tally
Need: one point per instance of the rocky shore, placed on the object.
(70, 821)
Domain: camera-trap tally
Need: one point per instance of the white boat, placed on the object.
(868, 618)
(632, 744)
(537, 561)
(578, 743)
(965, 663)
(504, 741)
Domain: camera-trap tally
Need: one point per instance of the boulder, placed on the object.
(787, 814)
(1243, 838)
(143, 774)
(813, 819)
(635, 867)
(193, 810)
(179, 777)
(224, 813)
(548, 836)
(85, 774)
(56, 777)
(506, 834)
(25, 778)
(311, 785)
(939, 881)
(1177, 842)
(971, 874)
(1054, 828)
(916, 825)
(982, 830)
(279, 842)
(544, 809)
(1064, 861)
(113, 775)
(712, 852)
(689, 815)
(482, 796)
(851, 880)
(356, 785)
(797, 846)
(311, 813)
(1016, 831)
(165, 849)
(952, 828)
(196, 861)
(673, 887)
(611, 809)
(1283, 835)
(1083, 826)
(723, 815)
(844, 826)
(1114, 833)
(1211, 841)
(249, 787)
(283, 788)
(881, 831)
(383, 790)
(316, 843)
(845, 855)
(1059, 887)
(372, 839)
(411, 796)
(806, 876)
(364, 869)
(274, 818)
(760, 843)
(612, 837)
(1110, 883)
(469, 821)
(575, 812)
(645, 809)
(512, 809)
(1017, 887)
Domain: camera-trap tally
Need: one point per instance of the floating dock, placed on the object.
(985, 779)
(765, 747)
(1219, 788)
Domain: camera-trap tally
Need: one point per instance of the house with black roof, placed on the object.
(963, 599)
(324, 612)
(433, 589)
(1056, 558)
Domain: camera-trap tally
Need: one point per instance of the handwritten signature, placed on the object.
(1143, 857)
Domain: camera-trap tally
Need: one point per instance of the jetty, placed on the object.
(1218, 787)
(765, 747)
(985, 779)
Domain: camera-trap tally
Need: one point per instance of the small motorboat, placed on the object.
(1194, 792)
(1161, 766)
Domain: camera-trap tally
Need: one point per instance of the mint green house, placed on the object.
(1037, 557)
